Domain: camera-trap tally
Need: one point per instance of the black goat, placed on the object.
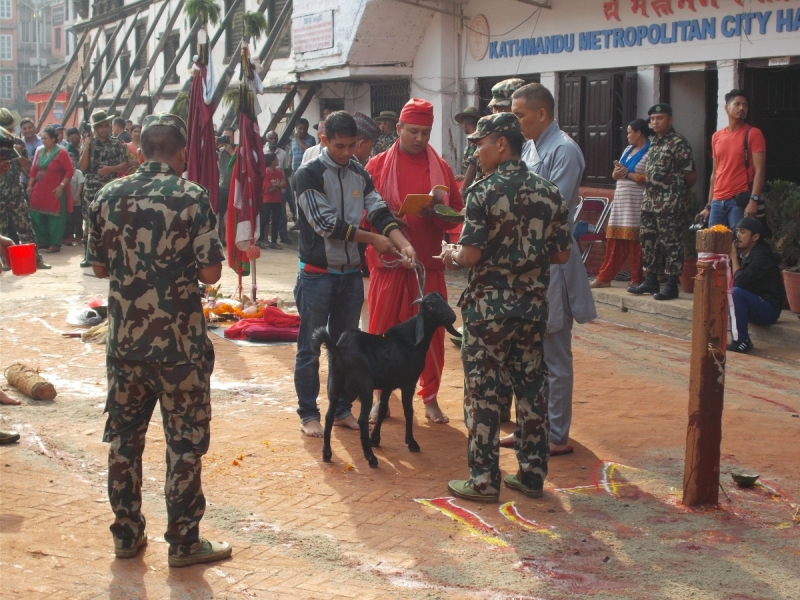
(362, 362)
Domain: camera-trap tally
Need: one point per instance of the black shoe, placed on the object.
(286, 241)
(670, 291)
(84, 264)
(648, 286)
(742, 346)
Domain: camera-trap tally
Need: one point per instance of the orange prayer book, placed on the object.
(414, 202)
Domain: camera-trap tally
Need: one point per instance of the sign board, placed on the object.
(782, 61)
(58, 111)
(312, 32)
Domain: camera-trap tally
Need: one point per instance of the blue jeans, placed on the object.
(725, 212)
(323, 300)
(749, 307)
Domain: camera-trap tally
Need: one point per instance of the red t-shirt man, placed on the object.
(411, 166)
(727, 148)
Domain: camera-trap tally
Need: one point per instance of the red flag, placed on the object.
(201, 149)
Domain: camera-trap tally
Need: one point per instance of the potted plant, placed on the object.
(689, 245)
(783, 217)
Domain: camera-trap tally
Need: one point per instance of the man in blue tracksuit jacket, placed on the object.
(333, 192)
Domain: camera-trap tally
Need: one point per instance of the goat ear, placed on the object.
(420, 328)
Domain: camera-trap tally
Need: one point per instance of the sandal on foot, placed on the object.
(121, 552)
(461, 488)
(208, 552)
(513, 483)
(439, 421)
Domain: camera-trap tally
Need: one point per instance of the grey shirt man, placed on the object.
(557, 158)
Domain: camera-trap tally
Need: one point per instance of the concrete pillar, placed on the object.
(648, 88)
(551, 80)
(729, 77)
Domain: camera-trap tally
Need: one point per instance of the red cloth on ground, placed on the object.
(277, 318)
(43, 199)
(272, 178)
(616, 253)
(273, 325)
(425, 235)
(391, 292)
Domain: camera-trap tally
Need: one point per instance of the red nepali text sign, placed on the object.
(312, 32)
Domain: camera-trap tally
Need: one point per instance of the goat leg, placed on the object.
(383, 409)
(408, 411)
(333, 401)
(363, 424)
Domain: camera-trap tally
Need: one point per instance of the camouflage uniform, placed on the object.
(12, 200)
(469, 159)
(518, 220)
(153, 231)
(664, 204)
(102, 154)
(384, 142)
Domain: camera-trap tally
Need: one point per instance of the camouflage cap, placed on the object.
(660, 108)
(166, 120)
(501, 92)
(497, 123)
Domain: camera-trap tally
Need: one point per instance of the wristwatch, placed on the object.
(453, 260)
(755, 198)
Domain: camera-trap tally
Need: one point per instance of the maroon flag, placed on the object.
(201, 149)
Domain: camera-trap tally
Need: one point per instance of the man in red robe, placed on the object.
(412, 166)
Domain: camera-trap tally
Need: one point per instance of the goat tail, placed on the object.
(320, 338)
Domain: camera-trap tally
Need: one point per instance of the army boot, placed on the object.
(670, 291)
(648, 286)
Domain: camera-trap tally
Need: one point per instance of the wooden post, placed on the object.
(707, 371)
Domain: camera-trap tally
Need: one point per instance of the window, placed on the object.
(58, 15)
(112, 50)
(233, 33)
(273, 11)
(6, 42)
(6, 87)
(25, 32)
(5, 9)
(170, 50)
(390, 95)
(125, 62)
(141, 34)
(57, 38)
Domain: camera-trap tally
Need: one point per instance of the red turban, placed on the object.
(417, 112)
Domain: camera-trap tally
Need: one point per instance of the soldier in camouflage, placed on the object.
(388, 122)
(669, 175)
(502, 92)
(103, 159)
(152, 234)
(516, 226)
(468, 119)
(13, 206)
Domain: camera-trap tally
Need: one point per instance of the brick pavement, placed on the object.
(305, 529)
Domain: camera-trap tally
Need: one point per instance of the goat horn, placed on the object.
(417, 301)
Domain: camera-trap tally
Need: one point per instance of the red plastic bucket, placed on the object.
(22, 258)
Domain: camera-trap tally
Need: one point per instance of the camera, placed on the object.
(694, 227)
(223, 139)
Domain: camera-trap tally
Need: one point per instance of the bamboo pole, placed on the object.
(54, 95)
(707, 370)
(122, 47)
(74, 98)
(174, 65)
(298, 112)
(145, 77)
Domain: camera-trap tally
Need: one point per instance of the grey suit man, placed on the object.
(552, 154)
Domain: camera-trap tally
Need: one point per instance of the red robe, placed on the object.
(391, 291)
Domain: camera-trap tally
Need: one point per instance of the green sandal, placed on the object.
(513, 483)
(208, 552)
(462, 489)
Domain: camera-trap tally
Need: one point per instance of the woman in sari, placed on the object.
(133, 148)
(50, 192)
(622, 232)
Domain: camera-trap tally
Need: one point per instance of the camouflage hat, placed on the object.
(7, 150)
(497, 123)
(660, 108)
(367, 126)
(9, 118)
(470, 112)
(166, 120)
(501, 92)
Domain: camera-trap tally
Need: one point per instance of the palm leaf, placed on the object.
(181, 106)
(255, 25)
(208, 11)
(230, 98)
